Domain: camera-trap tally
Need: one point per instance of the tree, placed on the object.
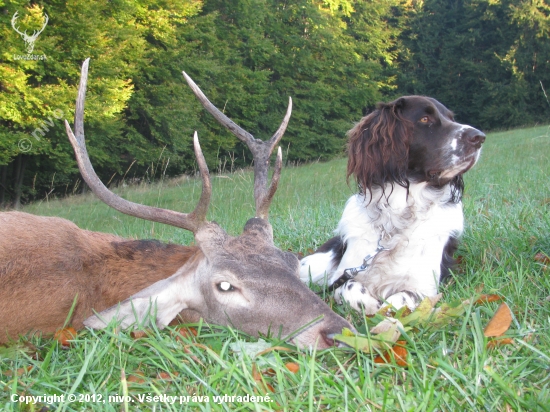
(482, 58)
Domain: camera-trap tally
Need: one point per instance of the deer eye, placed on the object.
(425, 119)
(225, 287)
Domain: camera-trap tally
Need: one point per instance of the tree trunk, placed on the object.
(3, 182)
(19, 173)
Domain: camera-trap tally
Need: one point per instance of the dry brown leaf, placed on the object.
(137, 377)
(19, 372)
(399, 353)
(542, 258)
(65, 335)
(499, 342)
(292, 367)
(269, 372)
(488, 298)
(138, 334)
(186, 333)
(257, 376)
(167, 376)
(500, 323)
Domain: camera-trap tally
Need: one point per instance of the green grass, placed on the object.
(507, 209)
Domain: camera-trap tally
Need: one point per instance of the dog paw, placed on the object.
(357, 296)
(401, 299)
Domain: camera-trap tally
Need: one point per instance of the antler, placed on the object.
(261, 150)
(189, 221)
(46, 19)
(13, 21)
(36, 33)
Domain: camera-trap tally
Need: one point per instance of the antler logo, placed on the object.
(29, 40)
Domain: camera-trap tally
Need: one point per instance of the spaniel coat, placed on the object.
(408, 158)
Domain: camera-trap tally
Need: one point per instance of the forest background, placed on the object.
(487, 60)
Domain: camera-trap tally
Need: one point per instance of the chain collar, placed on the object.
(350, 273)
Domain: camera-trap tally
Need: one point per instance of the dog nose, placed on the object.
(475, 137)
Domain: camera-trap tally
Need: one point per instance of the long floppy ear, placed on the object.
(162, 300)
(378, 148)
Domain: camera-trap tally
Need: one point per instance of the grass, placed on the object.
(507, 209)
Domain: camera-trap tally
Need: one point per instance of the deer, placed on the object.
(49, 266)
(29, 40)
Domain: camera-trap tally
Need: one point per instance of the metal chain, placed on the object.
(350, 273)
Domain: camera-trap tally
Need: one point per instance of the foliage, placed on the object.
(248, 56)
(487, 60)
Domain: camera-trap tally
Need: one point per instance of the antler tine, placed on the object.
(220, 117)
(261, 150)
(13, 22)
(189, 221)
(46, 19)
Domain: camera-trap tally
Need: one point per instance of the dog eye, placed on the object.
(225, 287)
(425, 119)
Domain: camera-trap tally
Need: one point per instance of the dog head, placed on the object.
(413, 138)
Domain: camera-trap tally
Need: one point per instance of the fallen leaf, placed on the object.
(383, 336)
(167, 376)
(137, 377)
(270, 372)
(488, 298)
(499, 342)
(399, 353)
(257, 376)
(387, 330)
(447, 312)
(138, 334)
(542, 258)
(500, 323)
(65, 335)
(421, 314)
(292, 367)
(19, 372)
(186, 333)
(435, 299)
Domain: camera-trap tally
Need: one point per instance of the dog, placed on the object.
(396, 239)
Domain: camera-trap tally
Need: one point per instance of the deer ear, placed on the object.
(162, 301)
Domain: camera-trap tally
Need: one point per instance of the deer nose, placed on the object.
(475, 137)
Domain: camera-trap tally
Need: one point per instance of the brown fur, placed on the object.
(378, 148)
(46, 261)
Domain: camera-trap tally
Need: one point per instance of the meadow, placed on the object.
(449, 368)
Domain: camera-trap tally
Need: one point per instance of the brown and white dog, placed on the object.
(399, 233)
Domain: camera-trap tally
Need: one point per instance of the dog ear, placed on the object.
(378, 148)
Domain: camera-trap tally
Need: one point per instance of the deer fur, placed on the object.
(48, 264)
(98, 267)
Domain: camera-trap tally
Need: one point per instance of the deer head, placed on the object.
(245, 281)
(29, 40)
